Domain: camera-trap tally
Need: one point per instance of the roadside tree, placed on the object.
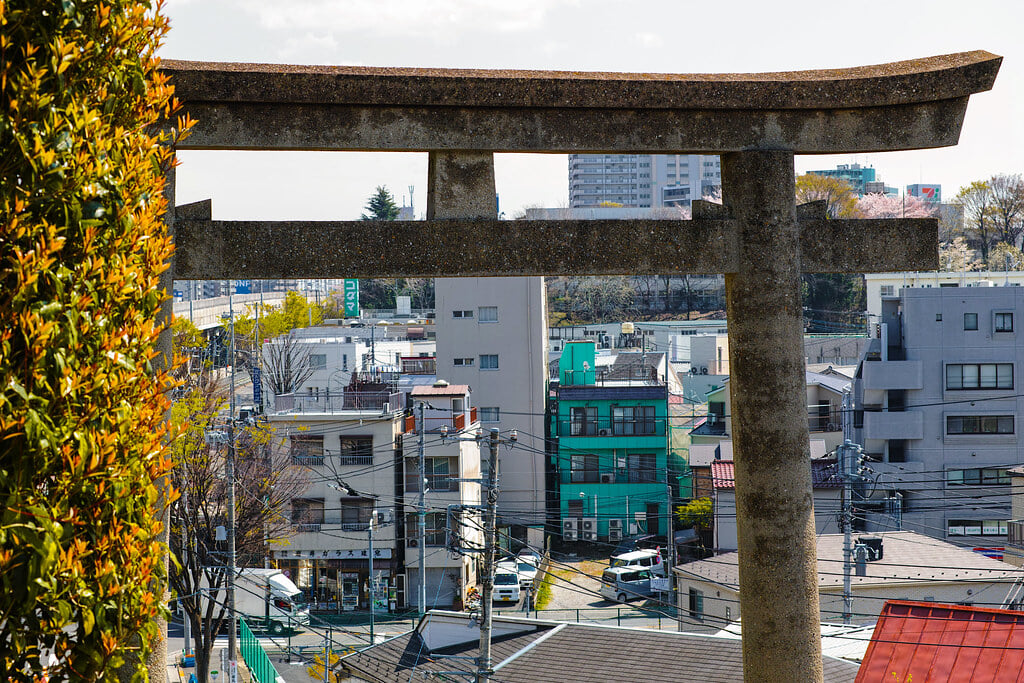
(266, 483)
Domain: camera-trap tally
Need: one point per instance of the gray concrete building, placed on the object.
(642, 180)
(491, 335)
(936, 404)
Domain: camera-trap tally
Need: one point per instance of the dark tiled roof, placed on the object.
(945, 643)
(583, 653)
(393, 660)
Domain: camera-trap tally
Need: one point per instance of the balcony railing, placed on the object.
(308, 460)
(303, 527)
(824, 418)
(608, 427)
(454, 423)
(376, 401)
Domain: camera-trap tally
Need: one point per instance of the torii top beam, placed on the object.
(903, 105)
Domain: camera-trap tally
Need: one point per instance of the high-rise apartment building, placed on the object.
(641, 180)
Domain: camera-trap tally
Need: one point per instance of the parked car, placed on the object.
(526, 571)
(626, 583)
(506, 584)
(529, 555)
(640, 542)
(641, 559)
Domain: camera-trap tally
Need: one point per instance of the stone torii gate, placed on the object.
(759, 238)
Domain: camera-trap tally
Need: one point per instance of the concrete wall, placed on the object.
(826, 506)
(518, 387)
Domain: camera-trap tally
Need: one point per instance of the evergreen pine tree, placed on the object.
(381, 206)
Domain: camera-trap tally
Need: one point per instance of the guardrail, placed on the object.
(255, 657)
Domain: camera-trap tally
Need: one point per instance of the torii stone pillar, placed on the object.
(759, 239)
(774, 500)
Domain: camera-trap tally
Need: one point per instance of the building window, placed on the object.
(355, 514)
(307, 449)
(633, 420)
(938, 317)
(462, 314)
(584, 469)
(696, 604)
(642, 468)
(491, 414)
(440, 472)
(308, 513)
(979, 424)
(976, 527)
(488, 314)
(582, 421)
(356, 450)
(436, 526)
(970, 321)
(462, 362)
(977, 476)
(979, 376)
(317, 361)
(1004, 322)
(489, 361)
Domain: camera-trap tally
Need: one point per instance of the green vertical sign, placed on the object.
(351, 298)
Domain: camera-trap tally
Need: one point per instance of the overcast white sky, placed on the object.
(673, 36)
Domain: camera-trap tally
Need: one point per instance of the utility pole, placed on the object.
(232, 636)
(372, 582)
(483, 673)
(671, 536)
(850, 455)
(422, 515)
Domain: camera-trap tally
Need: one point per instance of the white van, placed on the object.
(641, 559)
(506, 585)
(626, 583)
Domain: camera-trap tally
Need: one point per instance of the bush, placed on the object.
(82, 246)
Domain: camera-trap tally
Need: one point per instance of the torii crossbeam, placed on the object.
(759, 239)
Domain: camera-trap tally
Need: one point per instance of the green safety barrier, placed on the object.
(256, 657)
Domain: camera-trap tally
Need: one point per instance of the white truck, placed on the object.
(266, 597)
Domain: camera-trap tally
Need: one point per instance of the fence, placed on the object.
(256, 657)
(621, 616)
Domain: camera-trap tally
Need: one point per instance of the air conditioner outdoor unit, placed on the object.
(615, 524)
(570, 535)
(412, 543)
(615, 534)
(602, 432)
(571, 524)
(607, 478)
(589, 536)
(832, 427)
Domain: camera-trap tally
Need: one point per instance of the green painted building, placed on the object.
(611, 429)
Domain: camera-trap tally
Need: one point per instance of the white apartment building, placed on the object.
(335, 355)
(491, 336)
(937, 404)
(451, 452)
(348, 447)
(642, 180)
(882, 286)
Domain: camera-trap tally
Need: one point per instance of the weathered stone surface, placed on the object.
(238, 249)
(906, 105)
(774, 501)
(919, 80)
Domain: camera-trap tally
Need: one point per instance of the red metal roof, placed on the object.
(822, 474)
(927, 642)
